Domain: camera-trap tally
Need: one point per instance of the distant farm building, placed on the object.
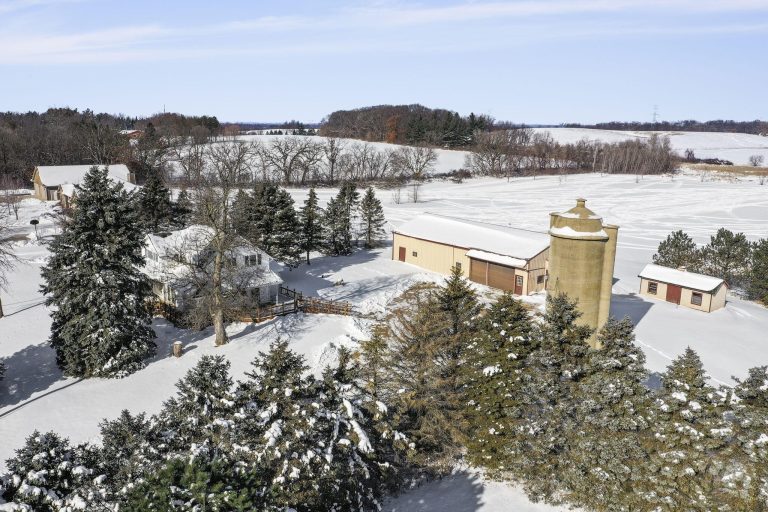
(57, 182)
(575, 257)
(497, 256)
(695, 291)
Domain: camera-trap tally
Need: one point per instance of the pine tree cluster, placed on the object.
(277, 440)
(729, 256)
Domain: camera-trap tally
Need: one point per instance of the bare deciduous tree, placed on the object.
(756, 160)
(415, 162)
(214, 172)
(333, 149)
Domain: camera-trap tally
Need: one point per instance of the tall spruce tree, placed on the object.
(310, 219)
(678, 250)
(101, 321)
(609, 433)
(286, 235)
(429, 411)
(156, 210)
(758, 273)
(558, 364)
(496, 369)
(727, 255)
(339, 220)
(184, 209)
(371, 219)
(689, 431)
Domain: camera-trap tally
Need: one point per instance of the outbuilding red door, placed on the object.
(673, 293)
(518, 285)
(401, 255)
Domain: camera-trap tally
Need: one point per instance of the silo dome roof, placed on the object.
(578, 222)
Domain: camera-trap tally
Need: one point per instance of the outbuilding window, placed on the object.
(414, 254)
(539, 279)
(696, 298)
(653, 288)
(458, 265)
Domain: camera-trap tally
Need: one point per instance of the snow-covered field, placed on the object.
(736, 147)
(34, 395)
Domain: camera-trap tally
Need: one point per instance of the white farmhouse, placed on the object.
(178, 265)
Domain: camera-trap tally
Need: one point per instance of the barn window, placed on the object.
(414, 254)
(539, 279)
(458, 265)
(653, 288)
(519, 280)
(696, 299)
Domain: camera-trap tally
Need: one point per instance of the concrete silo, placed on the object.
(581, 258)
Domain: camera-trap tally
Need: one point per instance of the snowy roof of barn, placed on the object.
(681, 278)
(481, 236)
(54, 175)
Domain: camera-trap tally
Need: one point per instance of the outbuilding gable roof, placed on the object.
(481, 236)
(682, 278)
(55, 175)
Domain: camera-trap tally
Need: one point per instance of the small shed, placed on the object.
(689, 289)
(501, 257)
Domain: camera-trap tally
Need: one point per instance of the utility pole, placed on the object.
(655, 115)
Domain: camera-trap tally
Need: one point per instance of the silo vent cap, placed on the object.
(581, 202)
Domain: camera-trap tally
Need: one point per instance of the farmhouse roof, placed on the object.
(481, 236)
(54, 175)
(681, 278)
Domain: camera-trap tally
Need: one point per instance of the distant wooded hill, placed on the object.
(406, 124)
(756, 127)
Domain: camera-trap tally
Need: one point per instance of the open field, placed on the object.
(34, 394)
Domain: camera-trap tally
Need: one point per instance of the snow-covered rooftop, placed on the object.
(193, 239)
(53, 175)
(680, 277)
(496, 258)
(492, 238)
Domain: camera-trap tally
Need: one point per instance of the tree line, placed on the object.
(728, 255)
(756, 127)
(522, 151)
(65, 136)
(406, 124)
(444, 379)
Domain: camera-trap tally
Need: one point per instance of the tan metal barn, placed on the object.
(48, 179)
(695, 291)
(501, 257)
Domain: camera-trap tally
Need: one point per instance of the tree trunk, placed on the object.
(217, 313)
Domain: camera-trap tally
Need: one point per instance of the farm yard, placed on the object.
(729, 341)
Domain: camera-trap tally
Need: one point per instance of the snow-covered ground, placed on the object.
(34, 395)
(736, 147)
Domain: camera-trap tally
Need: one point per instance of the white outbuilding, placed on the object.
(689, 289)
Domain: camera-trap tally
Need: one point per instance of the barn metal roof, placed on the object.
(502, 240)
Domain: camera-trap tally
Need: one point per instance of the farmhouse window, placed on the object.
(653, 288)
(696, 299)
(258, 259)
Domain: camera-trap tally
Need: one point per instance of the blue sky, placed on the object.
(534, 61)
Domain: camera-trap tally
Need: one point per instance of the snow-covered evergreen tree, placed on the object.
(310, 219)
(496, 368)
(610, 430)
(678, 250)
(688, 430)
(371, 219)
(156, 210)
(746, 482)
(47, 474)
(557, 366)
(428, 409)
(184, 209)
(339, 220)
(727, 255)
(758, 274)
(286, 236)
(203, 407)
(101, 321)
(125, 443)
(352, 440)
